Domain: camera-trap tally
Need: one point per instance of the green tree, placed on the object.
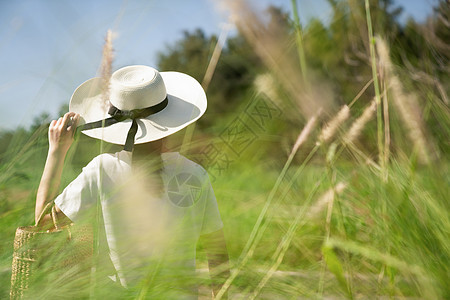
(233, 75)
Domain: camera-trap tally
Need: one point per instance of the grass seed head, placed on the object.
(330, 129)
(360, 123)
(106, 65)
(265, 84)
(303, 136)
(326, 197)
(406, 104)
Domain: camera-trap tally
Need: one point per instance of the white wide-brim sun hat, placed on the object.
(139, 87)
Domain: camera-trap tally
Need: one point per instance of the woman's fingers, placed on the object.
(75, 120)
(58, 122)
(69, 121)
(65, 120)
(72, 122)
(61, 131)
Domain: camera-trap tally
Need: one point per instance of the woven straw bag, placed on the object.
(42, 257)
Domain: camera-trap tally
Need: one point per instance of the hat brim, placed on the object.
(186, 104)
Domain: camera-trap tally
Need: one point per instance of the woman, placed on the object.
(153, 205)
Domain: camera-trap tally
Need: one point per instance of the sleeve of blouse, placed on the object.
(80, 194)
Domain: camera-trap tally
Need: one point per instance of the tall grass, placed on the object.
(328, 220)
(360, 231)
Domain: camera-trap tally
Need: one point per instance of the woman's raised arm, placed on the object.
(60, 138)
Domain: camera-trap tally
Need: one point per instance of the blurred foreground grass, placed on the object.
(380, 238)
(357, 205)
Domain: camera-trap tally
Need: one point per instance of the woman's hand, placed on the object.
(61, 132)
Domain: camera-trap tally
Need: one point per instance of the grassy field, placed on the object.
(331, 230)
(324, 201)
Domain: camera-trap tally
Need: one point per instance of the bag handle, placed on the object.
(55, 217)
(47, 208)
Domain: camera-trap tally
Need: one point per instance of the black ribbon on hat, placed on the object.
(118, 115)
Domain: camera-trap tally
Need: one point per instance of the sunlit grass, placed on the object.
(332, 218)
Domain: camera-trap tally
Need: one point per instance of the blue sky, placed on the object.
(48, 48)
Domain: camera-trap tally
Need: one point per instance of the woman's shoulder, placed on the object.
(178, 163)
(113, 161)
